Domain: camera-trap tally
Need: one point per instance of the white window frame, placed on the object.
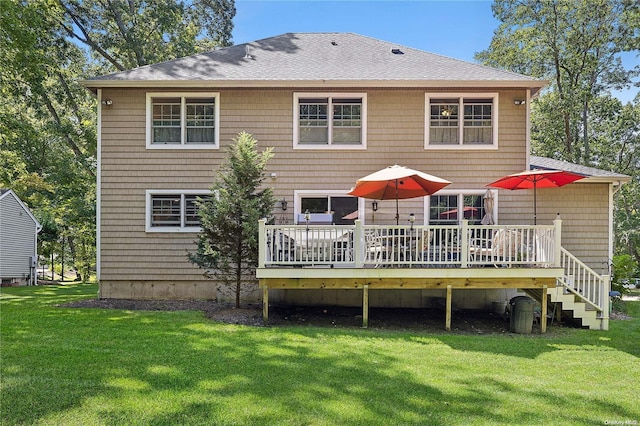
(331, 96)
(182, 192)
(461, 145)
(298, 195)
(183, 134)
(460, 193)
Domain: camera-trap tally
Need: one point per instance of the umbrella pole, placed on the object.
(397, 211)
(535, 204)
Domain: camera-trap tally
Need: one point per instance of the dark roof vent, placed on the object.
(397, 52)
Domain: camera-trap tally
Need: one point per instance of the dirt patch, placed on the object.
(400, 319)
(433, 320)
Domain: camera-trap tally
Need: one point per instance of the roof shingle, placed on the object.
(553, 164)
(317, 57)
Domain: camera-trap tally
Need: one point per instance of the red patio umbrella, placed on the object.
(396, 183)
(535, 179)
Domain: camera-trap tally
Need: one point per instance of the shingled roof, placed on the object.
(311, 58)
(592, 173)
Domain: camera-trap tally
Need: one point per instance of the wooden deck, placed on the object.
(367, 258)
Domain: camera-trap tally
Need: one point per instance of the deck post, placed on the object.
(358, 244)
(265, 304)
(543, 310)
(605, 302)
(262, 247)
(557, 262)
(365, 306)
(464, 244)
(447, 325)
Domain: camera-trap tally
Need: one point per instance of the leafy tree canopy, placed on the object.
(575, 44)
(48, 121)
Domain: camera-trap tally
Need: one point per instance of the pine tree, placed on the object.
(227, 246)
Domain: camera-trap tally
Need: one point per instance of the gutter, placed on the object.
(535, 85)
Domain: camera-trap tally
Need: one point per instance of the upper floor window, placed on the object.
(182, 120)
(174, 210)
(336, 121)
(455, 121)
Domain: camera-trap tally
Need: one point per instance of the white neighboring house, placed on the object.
(18, 241)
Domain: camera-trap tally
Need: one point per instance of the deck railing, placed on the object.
(584, 282)
(457, 246)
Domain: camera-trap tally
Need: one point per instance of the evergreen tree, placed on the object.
(227, 246)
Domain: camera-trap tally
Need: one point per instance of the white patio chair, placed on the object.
(375, 249)
(505, 246)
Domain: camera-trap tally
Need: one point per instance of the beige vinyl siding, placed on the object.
(585, 221)
(395, 135)
(584, 211)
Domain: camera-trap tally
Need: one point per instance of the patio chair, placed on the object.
(375, 249)
(505, 246)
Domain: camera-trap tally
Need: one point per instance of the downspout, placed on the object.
(528, 131)
(98, 186)
(614, 187)
(33, 268)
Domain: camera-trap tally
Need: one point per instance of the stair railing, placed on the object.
(579, 279)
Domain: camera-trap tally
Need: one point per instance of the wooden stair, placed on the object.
(565, 304)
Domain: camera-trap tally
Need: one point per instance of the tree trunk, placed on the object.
(567, 134)
(585, 136)
(238, 268)
(62, 260)
(237, 294)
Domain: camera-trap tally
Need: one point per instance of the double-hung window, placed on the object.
(174, 210)
(451, 207)
(461, 121)
(335, 121)
(182, 120)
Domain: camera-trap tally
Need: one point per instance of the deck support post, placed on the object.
(365, 306)
(447, 325)
(557, 223)
(543, 310)
(265, 304)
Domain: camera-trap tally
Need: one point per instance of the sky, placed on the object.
(453, 28)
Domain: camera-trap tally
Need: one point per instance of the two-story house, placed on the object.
(336, 107)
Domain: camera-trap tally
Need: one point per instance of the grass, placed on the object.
(69, 366)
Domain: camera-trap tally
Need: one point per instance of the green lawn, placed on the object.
(63, 366)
